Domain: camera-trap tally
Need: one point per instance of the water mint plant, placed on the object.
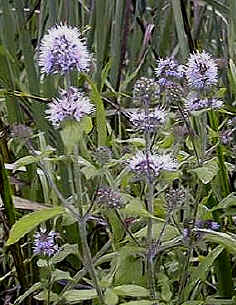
(117, 131)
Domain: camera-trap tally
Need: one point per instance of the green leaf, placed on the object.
(139, 302)
(43, 296)
(225, 239)
(201, 272)
(73, 296)
(58, 275)
(31, 221)
(131, 290)
(193, 303)
(24, 161)
(71, 133)
(32, 289)
(110, 297)
(100, 113)
(65, 250)
(228, 202)
(207, 173)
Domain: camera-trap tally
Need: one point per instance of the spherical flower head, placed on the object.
(201, 71)
(71, 104)
(150, 121)
(44, 243)
(168, 68)
(109, 198)
(146, 88)
(151, 165)
(63, 50)
(195, 103)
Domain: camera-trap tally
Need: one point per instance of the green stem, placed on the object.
(150, 184)
(88, 261)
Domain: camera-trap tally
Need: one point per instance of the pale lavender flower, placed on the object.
(71, 104)
(207, 224)
(214, 226)
(168, 68)
(195, 103)
(44, 243)
(152, 165)
(63, 50)
(150, 121)
(201, 71)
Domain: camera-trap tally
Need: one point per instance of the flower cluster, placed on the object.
(150, 121)
(167, 70)
(151, 165)
(62, 50)
(194, 104)
(201, 71)
(201, 224)
(207, 224)
(71, 104)
(146, 88)
(44, 243)
(109, 198)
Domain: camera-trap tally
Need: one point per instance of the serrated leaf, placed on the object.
(29, 222)
(131, 290)
(74, 295)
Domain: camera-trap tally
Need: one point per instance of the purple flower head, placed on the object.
(201, 71)
(154, 119)
(44, 243)
(168, 67)
(152, 165)
(214, 226)
(63, 50)
(207, 224)
(195, 103)
(71, 104)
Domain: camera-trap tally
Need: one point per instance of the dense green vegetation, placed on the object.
(117, 152)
